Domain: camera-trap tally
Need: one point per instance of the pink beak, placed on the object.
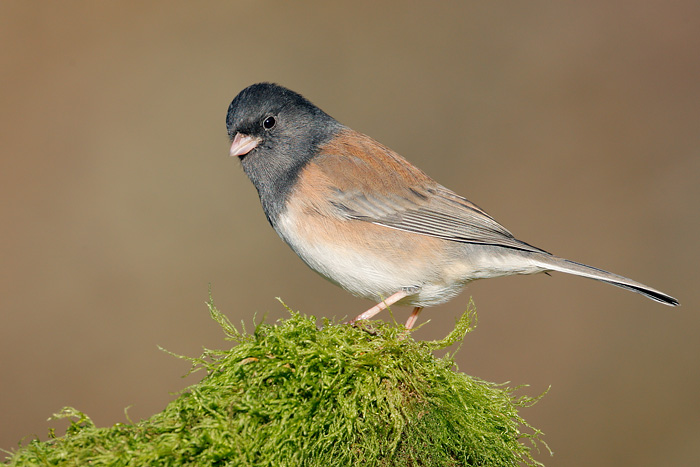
(243, 144)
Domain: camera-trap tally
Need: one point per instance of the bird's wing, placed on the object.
(405, 199)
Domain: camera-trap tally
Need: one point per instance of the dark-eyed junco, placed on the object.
(366, 219)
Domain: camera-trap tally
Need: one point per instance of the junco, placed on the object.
(366, 219)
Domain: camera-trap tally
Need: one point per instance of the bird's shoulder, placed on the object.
(353, 161)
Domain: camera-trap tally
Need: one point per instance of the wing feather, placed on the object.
(407, 199)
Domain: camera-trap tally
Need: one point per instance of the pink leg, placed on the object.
(414, 316)
(380, 306)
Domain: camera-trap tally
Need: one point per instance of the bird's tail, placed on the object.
(554, 263)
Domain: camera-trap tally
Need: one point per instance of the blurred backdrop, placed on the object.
(575, 124)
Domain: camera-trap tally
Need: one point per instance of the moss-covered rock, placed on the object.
(293, 394)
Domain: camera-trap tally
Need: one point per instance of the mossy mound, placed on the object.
(291, 394)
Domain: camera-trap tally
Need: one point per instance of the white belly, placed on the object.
(375, 262)
(364, 273)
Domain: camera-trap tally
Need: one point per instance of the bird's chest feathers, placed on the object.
(334, 246)
(366, 259)
(326, 243)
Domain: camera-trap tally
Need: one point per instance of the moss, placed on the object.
(293, 394)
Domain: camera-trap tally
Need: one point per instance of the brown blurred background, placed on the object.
(576, 124)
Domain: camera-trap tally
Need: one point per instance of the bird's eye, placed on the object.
(269, 123)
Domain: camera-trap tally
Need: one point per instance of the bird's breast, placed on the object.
(367, 260)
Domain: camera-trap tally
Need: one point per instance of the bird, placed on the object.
(369, 221)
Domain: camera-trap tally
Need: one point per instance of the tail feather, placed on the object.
(553, 263)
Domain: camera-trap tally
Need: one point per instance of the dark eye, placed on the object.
(269, 123)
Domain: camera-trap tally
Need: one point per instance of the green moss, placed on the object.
(293, 394)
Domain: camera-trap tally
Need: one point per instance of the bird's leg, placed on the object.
(380, 306)
(414, 316)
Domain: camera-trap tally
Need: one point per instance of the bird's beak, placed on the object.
(243, 144)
